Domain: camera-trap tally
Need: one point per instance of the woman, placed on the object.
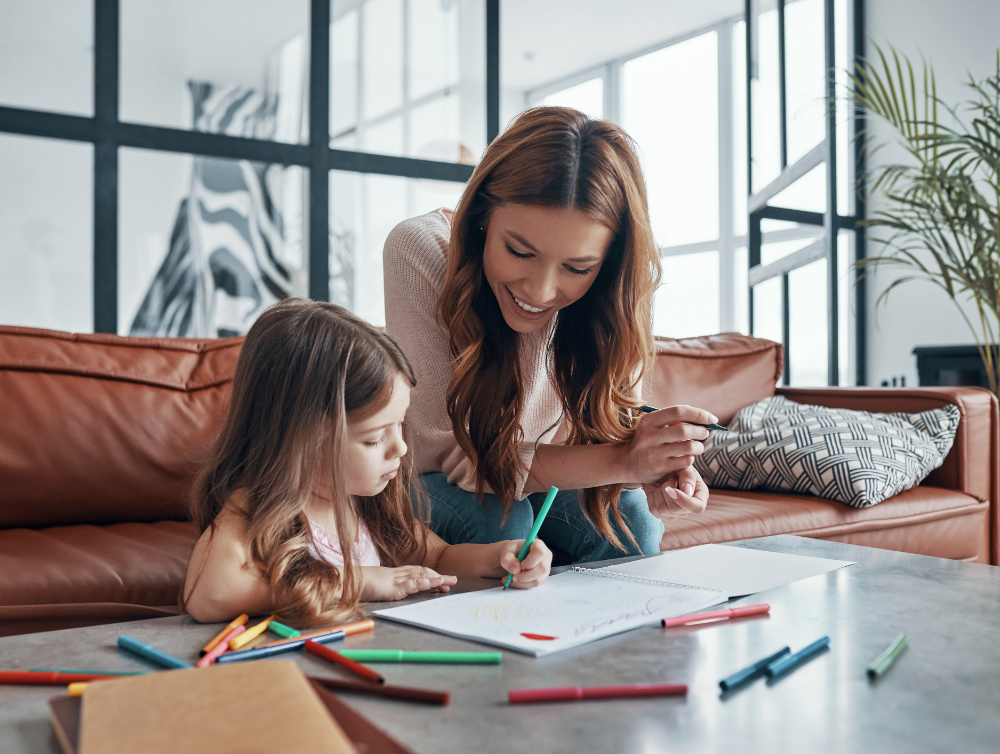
(530, 308)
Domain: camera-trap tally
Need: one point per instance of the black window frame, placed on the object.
(109, 134)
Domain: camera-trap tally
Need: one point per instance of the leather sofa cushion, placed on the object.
(103, 429)
(139, 564)
(924, 520)
(719, 373)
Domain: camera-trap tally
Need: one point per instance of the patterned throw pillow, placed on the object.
(854, 457)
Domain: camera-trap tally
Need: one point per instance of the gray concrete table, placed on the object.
(942, 695)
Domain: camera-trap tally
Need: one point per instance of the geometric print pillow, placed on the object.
(854, 457)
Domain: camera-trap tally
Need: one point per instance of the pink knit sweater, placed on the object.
(415, 263)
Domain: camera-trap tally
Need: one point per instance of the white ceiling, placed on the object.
(563, 37)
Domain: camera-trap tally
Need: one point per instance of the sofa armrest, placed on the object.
(972, 464)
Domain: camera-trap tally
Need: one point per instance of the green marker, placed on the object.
(401, 655)
(539, 520)
(98, 672)
(884, 661)
(718, 427)
(285, 632)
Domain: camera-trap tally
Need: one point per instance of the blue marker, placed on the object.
(753, 671)
(257, 652)
(153, 655)
(553, 491)
(788, 664)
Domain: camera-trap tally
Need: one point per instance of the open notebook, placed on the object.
(572, 608)
(585, 604)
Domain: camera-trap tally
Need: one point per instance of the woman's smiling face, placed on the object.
(539, 260)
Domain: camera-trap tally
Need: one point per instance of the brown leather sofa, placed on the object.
(100, 436)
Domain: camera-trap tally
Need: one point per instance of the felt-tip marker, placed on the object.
(752, 671)
(650, 409)
(576, 693)
(787, 664)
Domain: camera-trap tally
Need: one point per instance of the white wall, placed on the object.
(958, 37)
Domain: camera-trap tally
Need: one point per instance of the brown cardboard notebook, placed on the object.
(366, 737)
(243, 707)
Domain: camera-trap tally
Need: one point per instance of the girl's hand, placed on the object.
(665, 443)
(384, 584)
(533, 570)
(678, 494)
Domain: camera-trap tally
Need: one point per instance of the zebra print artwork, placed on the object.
(236, 245)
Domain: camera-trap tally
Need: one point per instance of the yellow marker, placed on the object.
(250, 634)
(76, 689)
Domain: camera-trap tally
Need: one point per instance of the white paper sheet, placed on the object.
(574, 608)
(737, 571)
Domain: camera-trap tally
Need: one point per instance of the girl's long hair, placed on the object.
(306, 369)
(602, 343)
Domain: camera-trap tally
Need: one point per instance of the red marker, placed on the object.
(732, 612)
(575, 693)
(48, 678)
(539, 637)
(332, 655)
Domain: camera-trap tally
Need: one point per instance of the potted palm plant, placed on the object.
(937, 216)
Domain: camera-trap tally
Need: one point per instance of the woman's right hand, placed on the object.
(385, 584)
(665, 442)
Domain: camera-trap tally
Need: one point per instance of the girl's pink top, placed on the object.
(327, 546)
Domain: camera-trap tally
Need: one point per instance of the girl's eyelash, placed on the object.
(575, 271)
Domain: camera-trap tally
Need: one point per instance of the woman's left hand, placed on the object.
(677, 494)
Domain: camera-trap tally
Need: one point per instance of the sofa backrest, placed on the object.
(103, 428)
(719, 373)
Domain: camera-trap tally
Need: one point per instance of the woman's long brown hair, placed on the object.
(306, 369)
(602, 344)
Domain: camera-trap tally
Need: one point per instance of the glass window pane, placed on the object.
(807, 193)
(205, 244)
(765, 139)
(363, 209)
(219, 66)
(687, 303)
(47, 227)
(775, 250)
(739, 87)
(47, 55)
(741, 304)
(416, 63)
(767, 310)
(807, 330)
(670, 107)
(805, 76)
(587, 97)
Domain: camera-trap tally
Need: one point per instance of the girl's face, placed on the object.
(375, 445)
(538, 260)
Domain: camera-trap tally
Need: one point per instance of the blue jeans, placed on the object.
(457, 517)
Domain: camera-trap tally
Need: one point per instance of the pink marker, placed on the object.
(732, 612)
(219, 648)
(575, 693)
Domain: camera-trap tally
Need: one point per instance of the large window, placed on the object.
(172, 168)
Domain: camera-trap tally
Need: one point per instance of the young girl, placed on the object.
(304, 503)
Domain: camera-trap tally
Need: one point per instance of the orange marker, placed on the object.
(249, 635)
(241, 621)
(348, 629)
